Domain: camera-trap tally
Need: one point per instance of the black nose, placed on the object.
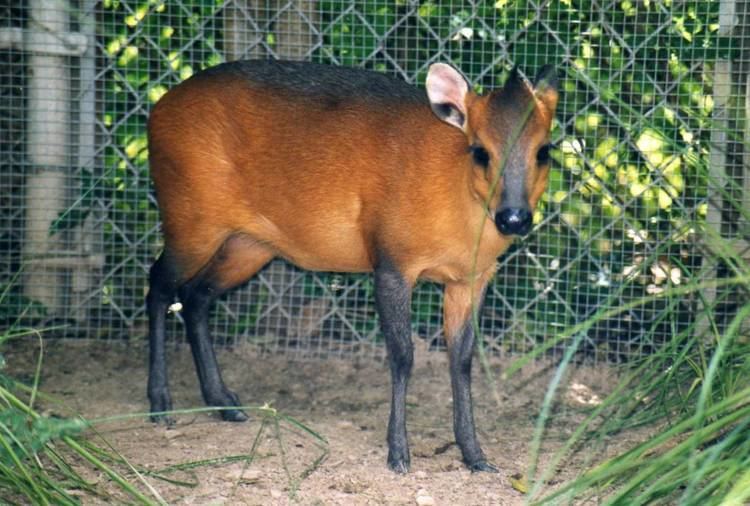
(513, 221)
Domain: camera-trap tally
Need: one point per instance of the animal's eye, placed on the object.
(543, 155)
(480, 155)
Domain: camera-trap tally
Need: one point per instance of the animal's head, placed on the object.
(508, 138)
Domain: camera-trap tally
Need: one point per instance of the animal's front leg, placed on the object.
(461, 301)
(393, 301)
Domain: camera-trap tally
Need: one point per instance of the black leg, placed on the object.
(393, 300)
(196, 298)
(461, 301)
(463, 412)
(162, 287)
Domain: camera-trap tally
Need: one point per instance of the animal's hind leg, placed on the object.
(236, 261)
(162, 288)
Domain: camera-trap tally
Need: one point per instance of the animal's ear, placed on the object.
(545, 86)
(447, 90)
(517, 83)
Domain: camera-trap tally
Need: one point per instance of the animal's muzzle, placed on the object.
(513, 221)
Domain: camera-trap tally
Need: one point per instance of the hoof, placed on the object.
(165, 420)
(160, 403)
(229, 398)
(233, 415)
(226, 399)
(483, 466)
(398, 465)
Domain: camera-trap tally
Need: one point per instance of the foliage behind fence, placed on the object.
(641, 125)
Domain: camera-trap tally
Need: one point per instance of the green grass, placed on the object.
(44, 459)
(47, 459)
(694, 395)
(697, 397)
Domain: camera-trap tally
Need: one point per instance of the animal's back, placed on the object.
(320, 82)
(298, 155)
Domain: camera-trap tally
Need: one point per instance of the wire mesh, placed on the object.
(651, 155)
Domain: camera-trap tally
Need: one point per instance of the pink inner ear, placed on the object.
(446, 86)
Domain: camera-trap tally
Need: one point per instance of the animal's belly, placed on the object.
(335, 249)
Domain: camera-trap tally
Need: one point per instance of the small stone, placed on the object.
(420, 474)
(424, 499)
(243, 475)
(172, 434)
(276, 494)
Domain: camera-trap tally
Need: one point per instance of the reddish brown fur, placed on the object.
(323, 191)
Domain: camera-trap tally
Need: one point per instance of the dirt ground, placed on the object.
(346, 402)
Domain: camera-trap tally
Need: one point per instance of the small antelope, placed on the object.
(346, 170)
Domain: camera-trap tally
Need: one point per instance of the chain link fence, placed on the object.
(651, 162)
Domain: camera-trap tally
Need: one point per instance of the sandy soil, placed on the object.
(346, 402)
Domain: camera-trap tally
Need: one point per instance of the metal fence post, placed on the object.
(295, 32)
(84, 271)
(245, 27)
(247, 22)
(243, 37)
(717, 173)
(744, 225)
(48, 150)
